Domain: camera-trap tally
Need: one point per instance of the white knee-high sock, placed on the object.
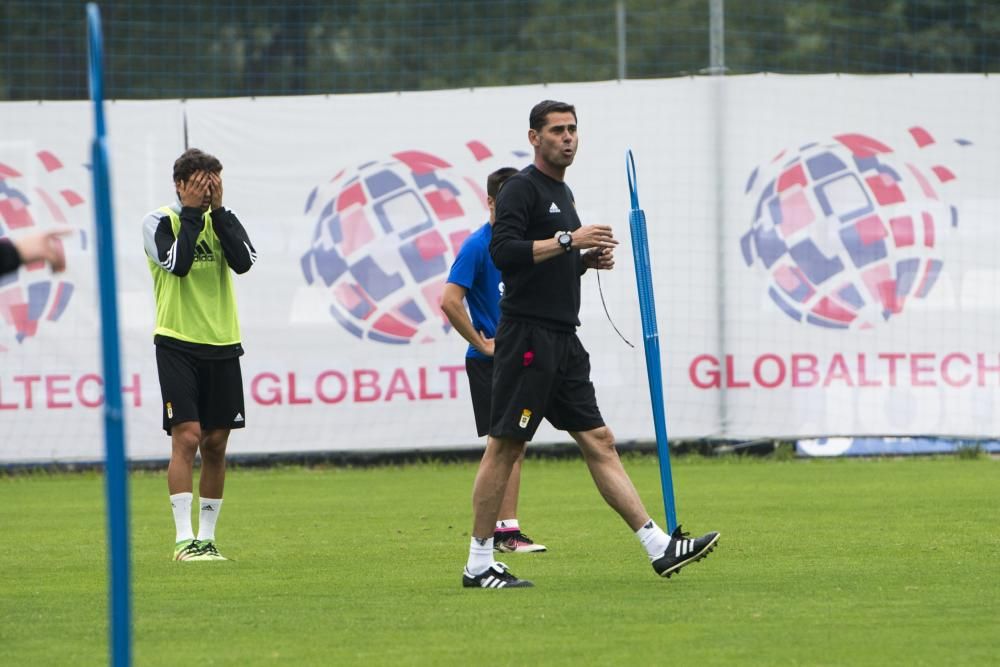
(181, 504)
(207, 516)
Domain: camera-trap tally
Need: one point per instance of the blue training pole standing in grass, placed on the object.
(116, 472)
(650, 338)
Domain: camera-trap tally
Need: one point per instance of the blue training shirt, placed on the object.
(474, 270)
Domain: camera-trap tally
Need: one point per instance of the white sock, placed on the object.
(480, 555)
(207, 516)
(181, 502)
(508, 524)
(653, 538)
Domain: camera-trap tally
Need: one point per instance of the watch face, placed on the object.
(565, 240)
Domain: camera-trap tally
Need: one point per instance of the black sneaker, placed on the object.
(681, 551)
(496, 576)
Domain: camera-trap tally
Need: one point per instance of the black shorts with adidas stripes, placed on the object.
(540, 373)
(208, 391)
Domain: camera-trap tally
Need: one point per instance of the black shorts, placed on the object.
(538, 373)
(208, 391)
(480, 372)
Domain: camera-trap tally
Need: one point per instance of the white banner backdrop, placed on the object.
(824, 265)
(51, 386)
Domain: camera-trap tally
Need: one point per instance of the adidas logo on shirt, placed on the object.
(554, 208)
(238, 418)
(203, 253)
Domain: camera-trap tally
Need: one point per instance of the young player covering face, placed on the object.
(192, 247)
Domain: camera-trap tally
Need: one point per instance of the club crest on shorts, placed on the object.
(170, 410)
(525, 418)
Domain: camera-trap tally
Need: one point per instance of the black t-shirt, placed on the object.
(533, 207)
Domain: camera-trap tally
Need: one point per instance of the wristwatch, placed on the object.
(565, 240)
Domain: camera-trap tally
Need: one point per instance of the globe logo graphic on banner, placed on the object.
(849, 231)
(385, 236)
(34, 195)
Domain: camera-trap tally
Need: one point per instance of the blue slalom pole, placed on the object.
(651, 338)
(116, 471)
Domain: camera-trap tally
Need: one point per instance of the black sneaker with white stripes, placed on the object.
(681, 551)
(496, 576)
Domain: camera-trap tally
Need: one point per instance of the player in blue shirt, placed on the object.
(476, 281)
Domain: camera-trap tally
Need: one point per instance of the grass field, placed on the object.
(884, 562)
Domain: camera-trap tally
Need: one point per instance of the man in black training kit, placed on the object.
(541, 370)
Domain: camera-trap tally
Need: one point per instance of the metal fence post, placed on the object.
(717, 69)
(620, 27)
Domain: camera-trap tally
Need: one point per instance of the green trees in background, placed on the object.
(198, 48)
